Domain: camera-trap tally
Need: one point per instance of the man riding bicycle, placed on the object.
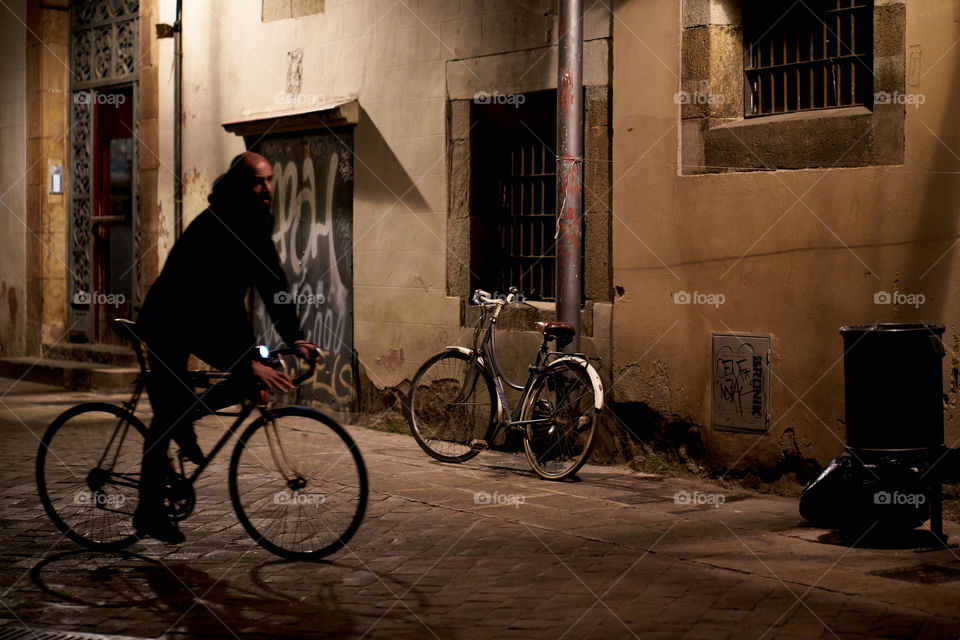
(197, 306)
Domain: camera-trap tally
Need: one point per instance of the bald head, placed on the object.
(253, 179)
(250, 162)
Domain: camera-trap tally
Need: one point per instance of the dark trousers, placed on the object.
(176, 405)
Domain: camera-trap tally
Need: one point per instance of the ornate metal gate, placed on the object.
(103, 55)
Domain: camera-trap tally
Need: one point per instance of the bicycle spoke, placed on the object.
(450, 404)
(306, 520)
(88, 474)
(565, 395)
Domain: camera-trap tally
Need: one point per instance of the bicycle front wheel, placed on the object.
(563, 420)
(450, 403)
(88, 474)
(300, 490)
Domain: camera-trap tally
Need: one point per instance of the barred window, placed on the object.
(515, 194)
(804, 56)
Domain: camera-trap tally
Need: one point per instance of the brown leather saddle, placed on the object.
(562, 332)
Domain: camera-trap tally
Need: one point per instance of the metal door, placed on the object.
(313, 232)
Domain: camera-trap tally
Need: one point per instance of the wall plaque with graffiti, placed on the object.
(741, 382)
(313, 229)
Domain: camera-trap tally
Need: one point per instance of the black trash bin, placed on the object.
(893, 388)
(893, 380)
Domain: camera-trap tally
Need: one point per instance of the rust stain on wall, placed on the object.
(392, 360)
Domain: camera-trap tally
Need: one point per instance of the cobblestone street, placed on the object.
(478, 550)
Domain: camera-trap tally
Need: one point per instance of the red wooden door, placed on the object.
(113, 209)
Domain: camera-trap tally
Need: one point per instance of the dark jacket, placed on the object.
(197, 303)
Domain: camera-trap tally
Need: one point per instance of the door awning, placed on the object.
(337, 114)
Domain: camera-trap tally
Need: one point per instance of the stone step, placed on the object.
(110, 354)
(69, 374)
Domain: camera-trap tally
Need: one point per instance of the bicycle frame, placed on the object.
(483, 356)
(246, 408)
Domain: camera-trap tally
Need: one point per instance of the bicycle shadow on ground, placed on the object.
(111, 580)
(132, 593)
(503, 470)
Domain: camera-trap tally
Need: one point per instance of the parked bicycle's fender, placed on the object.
(594, 378)
(469, 353)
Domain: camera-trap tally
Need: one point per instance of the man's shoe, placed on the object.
(189, 448)
(158, 527)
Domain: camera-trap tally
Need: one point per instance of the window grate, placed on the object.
(810, 55)
(526, 219)
(514, 195)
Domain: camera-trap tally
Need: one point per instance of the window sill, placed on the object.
(543, 306)
(520, 318)
(831, 138)
(820, 114)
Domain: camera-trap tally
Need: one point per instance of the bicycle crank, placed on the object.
(179, 496)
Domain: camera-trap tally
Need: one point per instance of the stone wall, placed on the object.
(14, 219)
(403, 62)
(796, 253)
(48, 95)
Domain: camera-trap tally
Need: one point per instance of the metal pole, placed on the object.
(570, 164)
(178, 123)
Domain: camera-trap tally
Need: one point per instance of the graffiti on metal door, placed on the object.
(313, 227)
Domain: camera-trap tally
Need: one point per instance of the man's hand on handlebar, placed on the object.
(277, 380)
(306, 351)
(270, 378)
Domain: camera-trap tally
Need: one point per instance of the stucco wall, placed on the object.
(166, 14)
(797, 254)
(402, 62)
(13, 169)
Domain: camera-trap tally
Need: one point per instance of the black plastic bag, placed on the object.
(856, 494)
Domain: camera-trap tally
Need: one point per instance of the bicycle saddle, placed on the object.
(562, 332)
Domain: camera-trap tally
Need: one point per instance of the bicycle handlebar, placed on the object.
(275, 354)
(484, 297)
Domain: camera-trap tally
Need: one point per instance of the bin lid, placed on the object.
(923, 327)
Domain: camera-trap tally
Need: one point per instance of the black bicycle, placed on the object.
(297, 481)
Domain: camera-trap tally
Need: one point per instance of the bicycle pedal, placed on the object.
(479, 445)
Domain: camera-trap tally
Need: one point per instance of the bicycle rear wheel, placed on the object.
(562, 397)
(449, 405)
(88, 474)
(302, 494)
